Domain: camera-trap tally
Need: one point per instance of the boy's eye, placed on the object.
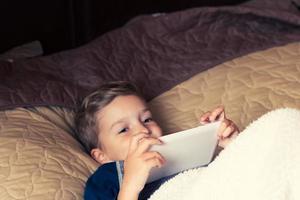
(124, 130)
(148, 120)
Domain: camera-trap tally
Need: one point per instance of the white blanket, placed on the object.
(262, 163)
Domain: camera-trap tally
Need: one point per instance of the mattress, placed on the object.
(40, 158)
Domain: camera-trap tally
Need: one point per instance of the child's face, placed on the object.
(121, 119)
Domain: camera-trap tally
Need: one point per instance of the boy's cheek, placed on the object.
(123, 153)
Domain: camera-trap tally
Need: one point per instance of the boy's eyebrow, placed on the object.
(123, 119)
(145, 110)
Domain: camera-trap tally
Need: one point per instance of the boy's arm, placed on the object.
(138, 164)
(127, 194)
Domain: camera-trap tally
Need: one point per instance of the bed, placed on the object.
(245, 57)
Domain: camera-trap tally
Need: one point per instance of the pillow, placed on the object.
(39, 157)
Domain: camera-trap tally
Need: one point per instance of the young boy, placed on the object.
(117, 128)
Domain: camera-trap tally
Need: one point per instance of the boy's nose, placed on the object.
(143, 129)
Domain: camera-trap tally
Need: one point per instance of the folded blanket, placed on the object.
(262, 163)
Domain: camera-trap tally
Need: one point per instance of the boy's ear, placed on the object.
(99, 156)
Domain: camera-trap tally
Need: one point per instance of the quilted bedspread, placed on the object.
(154, 52)
(40, 160)
(247, 87)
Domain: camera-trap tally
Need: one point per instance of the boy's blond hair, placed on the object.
(87, 126)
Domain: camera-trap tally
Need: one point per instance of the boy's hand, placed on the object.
(228, 129)
(139, 162)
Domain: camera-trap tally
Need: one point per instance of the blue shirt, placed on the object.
(105, 182)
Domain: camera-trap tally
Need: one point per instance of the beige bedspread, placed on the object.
(247, 86)
(40, 159)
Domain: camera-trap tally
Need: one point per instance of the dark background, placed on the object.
(65, 24)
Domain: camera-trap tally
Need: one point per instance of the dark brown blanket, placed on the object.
(155, 53)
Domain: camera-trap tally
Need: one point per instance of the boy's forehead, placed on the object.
(120, 107)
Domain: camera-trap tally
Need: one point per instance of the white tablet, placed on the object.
(185, 150)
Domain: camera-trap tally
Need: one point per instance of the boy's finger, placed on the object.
(135, 140)
(155, 162)
(146, 143)
(217, 114)
(228, 131)
(204, 119)
(151, 154)
(225, 123)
